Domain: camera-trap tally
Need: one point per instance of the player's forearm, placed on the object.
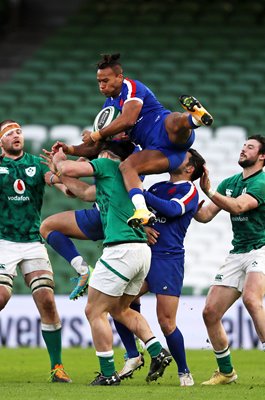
(80, 189)
(207, 213)
(70, 168)
(232, 205)
(167, 208)
(120, 124)
(83, 150)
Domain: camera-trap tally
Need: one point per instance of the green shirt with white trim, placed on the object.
(248, 227)
(114, 203)
(21, 195)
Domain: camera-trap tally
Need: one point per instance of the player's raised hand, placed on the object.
(205, 183)
(86, 137)
(55, 148)
(59, 156)
(47, 159)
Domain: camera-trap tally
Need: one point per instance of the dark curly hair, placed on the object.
(110, 61)
(122, 148)
(197, 161)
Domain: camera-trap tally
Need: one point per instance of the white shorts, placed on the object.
(121, 269)
(233, 272)
(28, 257)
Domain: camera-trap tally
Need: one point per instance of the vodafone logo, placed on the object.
(19, 186)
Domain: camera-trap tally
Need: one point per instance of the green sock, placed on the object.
(53, 341)
(106, 361)
(224, 361)
(153, 346)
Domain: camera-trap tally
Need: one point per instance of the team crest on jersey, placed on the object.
(228, 192)
(19, 186)
(244, 191)
(30, 171)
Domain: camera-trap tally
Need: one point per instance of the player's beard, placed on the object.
(15, 152)
(246, 163)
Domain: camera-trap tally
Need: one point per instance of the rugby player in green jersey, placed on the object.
(120, 271)
(243, 273)
(21, 194)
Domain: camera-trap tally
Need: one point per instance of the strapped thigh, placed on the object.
(43, 281)
(7, 282)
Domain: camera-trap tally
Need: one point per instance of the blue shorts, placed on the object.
(166, 275)
(89, 223)
(157, 139)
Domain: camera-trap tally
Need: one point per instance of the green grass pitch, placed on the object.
(24, 375)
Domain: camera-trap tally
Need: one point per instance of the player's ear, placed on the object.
(261, 156)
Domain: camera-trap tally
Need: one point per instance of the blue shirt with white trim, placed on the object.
(151, 112)
(174, 205)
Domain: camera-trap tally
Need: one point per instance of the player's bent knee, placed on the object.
(43, 281)
(45, 228)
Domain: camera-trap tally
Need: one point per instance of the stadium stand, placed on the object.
(217, 55)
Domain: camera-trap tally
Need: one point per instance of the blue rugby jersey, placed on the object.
(150, 114)
(174, 205)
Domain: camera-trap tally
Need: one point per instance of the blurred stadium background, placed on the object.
(212, 50)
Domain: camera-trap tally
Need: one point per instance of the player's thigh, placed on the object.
(254, 287)
(89, 223)
(11, 253)
(121, 269)
(166, 275)
(146, 162)
(64, 222)
(167, 307)
(220, 299)
(99, 303)
(35, 258)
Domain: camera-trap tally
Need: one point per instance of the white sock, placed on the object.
(263, 346)
(139, 201)
(79, 265)
(195, 121)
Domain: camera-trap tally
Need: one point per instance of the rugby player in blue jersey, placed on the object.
(164, 136)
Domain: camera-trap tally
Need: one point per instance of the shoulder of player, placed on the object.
(129, 83)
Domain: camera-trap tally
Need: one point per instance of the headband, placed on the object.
(9, 128)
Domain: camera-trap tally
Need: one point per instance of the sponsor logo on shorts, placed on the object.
(2, 266)
(254, 264)
(218, 277)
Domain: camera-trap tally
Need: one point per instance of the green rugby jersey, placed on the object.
(248, 227)
(114, 203)
(21, 195)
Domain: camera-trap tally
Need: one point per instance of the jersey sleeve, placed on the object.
(103, 167)
(221, 188)
(257, 190)
(133, 90)
(185, 200)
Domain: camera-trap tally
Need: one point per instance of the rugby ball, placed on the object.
(105, 117)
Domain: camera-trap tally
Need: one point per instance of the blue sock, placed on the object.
(62, 245)
(193, 126)
(127, 337)
(176, 347)
(134, 191)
